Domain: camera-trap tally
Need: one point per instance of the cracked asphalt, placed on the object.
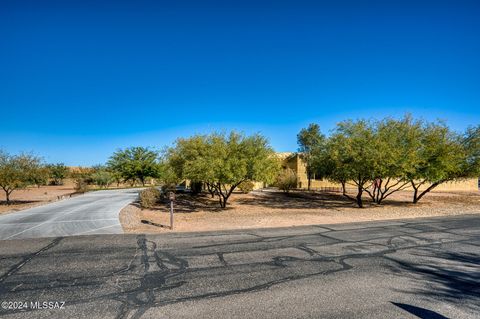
(416, 268)
(91, 213)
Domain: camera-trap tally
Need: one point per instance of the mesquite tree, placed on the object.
(17, 171)
(440, 158)
(224, 161)
(134, 163)
(310, 140)
(351, 156)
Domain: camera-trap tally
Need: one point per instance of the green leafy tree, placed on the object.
(440, 158)
(224, 161)
(58, 172)
(134, 163)
(310, 140)
(396, 142)
(39, 175)
(352, 156)
(102, 178)
(16, 172)
(471, 143)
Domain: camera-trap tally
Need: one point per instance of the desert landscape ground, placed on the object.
(34, 196)
(272, 208)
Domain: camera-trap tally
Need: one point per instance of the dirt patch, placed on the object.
(33, 196)
(275, 209)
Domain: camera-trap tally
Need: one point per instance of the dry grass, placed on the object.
(275, 209)
(33, 196)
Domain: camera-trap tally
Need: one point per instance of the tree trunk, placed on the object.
(359, 196)
(426, 191)
(7, 195)
(344, 192)
(415, 193)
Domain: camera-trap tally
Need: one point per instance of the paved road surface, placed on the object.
(424, 268)
(92, 213)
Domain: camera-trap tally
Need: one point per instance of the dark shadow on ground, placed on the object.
(155, 224)
(18, 202)
(453, 276)
(189, 203)
(419, 312)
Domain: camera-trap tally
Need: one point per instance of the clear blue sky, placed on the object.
(79, 79)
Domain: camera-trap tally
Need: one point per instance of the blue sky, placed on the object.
(79, 79)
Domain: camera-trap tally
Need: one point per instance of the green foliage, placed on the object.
(471, 143)
(58, 172)
(223, 162)
(396, 143)
(18, 171)
(149, 197)
(82, 177)
(286, 180)
(310, 142)
(246, 186)
(383, 157)
(134, 163)
(440, 157)
(102, 178)
(352, 155)
(40, 175)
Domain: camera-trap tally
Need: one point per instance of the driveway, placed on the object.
(415, 268)
(92, 213)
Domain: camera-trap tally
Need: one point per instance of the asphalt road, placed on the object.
(423, 268)
(92, 213)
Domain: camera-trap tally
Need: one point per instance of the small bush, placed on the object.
(149, 197)
(81, 186)
(246, 186)
(287, 180)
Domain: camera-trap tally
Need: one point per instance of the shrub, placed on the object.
(246, 186)
(81, 186)
(287, 180)
(149, 197)
(102, 178)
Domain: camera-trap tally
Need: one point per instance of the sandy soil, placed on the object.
(275, 209)
(33, 196)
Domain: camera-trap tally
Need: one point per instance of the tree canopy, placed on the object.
(134, 163)
(223, 161)
(383, 157)
(310, 140)
(18, 171)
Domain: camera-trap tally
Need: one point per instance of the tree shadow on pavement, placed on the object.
(419, 311)
(451, 276)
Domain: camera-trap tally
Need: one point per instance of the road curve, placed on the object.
(92, 213)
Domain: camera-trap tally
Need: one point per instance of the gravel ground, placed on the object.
(33, 196)
(275, 209)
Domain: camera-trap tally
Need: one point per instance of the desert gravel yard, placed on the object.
(34, 196)
(275, 209)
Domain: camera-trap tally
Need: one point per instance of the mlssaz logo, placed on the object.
(47, 305)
